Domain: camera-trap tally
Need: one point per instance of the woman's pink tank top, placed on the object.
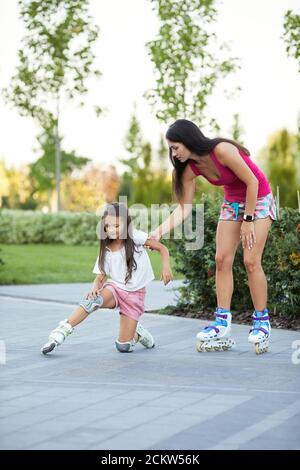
(234, 188)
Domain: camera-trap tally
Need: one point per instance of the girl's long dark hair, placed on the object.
(118, 210)
(189, 134)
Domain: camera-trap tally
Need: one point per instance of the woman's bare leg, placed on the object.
(227, 241)
(252, 260)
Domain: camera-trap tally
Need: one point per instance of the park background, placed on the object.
(88, 91)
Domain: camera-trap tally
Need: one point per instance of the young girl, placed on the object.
(124, 259)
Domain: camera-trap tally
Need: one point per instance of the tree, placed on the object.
(143, 178)
(89, 189)
(297, 150)
(4, 188)
(237, 130)
(162, 182)
(55, 61)
(138, 177)
(80, 195)
(16, 190)
(186, 65)
(291, 35)
(104, 181)
(133, 144)
(142, 182)
(43, 171)
(280, 165)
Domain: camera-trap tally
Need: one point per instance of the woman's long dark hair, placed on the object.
(118, 210)
(189, 134)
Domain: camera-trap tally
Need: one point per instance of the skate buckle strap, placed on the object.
(260, 329)
(220, 315)
(65, 330)
(265, 318)
(213, 328)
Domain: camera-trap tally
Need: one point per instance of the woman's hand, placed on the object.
(166, 275)
(248, 235)
(155, 235)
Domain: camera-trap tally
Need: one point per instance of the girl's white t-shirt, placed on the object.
(116, 269)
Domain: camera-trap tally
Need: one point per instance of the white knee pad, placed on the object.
(90, 305)
(128, 346)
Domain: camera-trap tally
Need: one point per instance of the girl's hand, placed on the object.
(166, 275)
(96, 289)
(248, 235)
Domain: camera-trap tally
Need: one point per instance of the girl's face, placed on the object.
(179, 151)
(114, 226)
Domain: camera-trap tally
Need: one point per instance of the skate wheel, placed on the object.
(48, 347)
(231, 345)
(199, 347)
(259, 349)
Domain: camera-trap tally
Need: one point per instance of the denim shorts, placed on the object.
(265, 207)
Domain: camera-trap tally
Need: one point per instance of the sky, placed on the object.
(270, 81)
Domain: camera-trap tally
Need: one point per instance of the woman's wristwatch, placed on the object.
(248, 218)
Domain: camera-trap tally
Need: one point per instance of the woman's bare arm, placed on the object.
(184, 207)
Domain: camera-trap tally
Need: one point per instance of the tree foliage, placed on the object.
(188, 60)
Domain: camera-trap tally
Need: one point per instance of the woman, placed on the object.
(246, 215)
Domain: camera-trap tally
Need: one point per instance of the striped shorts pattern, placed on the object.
(265, 207)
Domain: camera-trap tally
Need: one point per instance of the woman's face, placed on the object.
(114, 226)
(179, 151)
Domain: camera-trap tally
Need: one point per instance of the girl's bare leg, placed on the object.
(127, 329)
(65, 327)
(80, 314)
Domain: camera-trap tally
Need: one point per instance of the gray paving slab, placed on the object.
(157, 295)
(86, 395)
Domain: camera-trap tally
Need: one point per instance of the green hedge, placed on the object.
(281, 262)
(26, 227)
(281, 259)
(68, 228)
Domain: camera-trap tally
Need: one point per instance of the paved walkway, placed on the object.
(86, 395)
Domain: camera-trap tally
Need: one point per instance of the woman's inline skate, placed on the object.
(217, 335)
(260, 332)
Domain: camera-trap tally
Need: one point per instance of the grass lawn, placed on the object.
(45, 264)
